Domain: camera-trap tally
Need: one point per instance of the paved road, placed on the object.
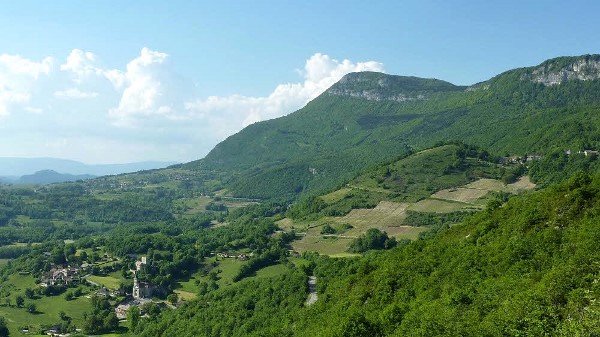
(312, 290)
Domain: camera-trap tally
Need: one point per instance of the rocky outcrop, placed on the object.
(554, 72)
(382, 87)
(374, 95)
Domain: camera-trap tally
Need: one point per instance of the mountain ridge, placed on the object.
(370, 117)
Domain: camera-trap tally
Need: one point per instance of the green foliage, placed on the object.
(133, 317)
(526, 268)
(239, 310)
(31, 308)
(19, 301)
(3, 328)
(434, 219)
(172, 298)
(523, 269)
(372, 239)
(557, 166)
(101, 319)
(327, 229)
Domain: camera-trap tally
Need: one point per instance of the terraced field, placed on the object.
(386, 213)
(389, 216)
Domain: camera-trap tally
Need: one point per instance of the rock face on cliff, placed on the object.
(381, 87)
(560, 70)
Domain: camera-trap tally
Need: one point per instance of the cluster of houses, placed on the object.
(122, 309)
(591, 153)
(61, 276)
(533, 157)
(521, 159)
(227, 255)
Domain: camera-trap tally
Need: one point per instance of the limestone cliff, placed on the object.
(382, 87)
(560, 70)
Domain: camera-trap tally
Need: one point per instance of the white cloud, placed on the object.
(17, 78)
(74, 93)
(81, 64)
(145, 93)
(18, 65)
(144, 110)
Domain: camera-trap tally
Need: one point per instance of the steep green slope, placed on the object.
(369, 117)
(408, 179)
(527, 268)
(423, 191)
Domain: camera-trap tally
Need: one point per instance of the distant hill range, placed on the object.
(50, 177)
(46, 170)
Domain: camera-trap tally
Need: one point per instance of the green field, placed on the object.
(336, 195)
(196, 205)
(48, 308)
(438, 206)
(188, 289)
(185, 295)
(461, 194)
(321, 244)
(109, 282)
(271, 271)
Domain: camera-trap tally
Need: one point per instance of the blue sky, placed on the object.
(117, 81)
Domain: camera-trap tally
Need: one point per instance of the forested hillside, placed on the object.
(528, 267)
(367, 118)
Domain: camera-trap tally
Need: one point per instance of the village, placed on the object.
(74, 280)
(62, 278)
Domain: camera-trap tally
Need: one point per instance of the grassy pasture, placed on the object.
(271, 271)
(386, 216)
(227, 268)
(196, 205)
(323, 245)
(438, 206)
(185, 295)
(466, 195)
(386, 213)
(109, 282)
(524, 183)
(336, 195)
(286, 224)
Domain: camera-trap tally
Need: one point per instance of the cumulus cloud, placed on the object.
(231, 113)
(18, 65)
(81, 64)
(17, 78)
(144, 110)
(150, 90)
